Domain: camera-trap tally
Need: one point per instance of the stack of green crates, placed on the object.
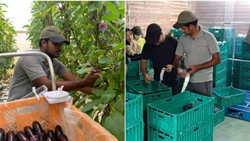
(236, 64)
(220, 70)
(244, 81)
(134, 118)
(168, 121)
(134, 70)
(226, 34)
(152, 92)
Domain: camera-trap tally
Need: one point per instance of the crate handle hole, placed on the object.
(199, 99)
(168, 100)
(196, 128)
(161, 137)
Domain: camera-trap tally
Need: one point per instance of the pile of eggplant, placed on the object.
(36, 133)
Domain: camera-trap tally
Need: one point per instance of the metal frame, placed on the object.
(52, 73)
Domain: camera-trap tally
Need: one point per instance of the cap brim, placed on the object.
(151, 40)
(178, 25)
(59, 40)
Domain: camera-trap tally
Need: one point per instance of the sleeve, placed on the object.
(212, 44)
(32, 67)
(62, 69)
(179, 50)
(129, 50)
(145, 52)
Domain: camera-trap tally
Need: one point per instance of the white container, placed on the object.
(57, 96)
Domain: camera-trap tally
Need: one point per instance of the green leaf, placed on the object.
(113, 83)
(98, 92)
(119, 46)
(115, 125)
(81, 102)
(95, 5)
(115, 29)
(83, 70)
(107, 96)
(119, 103)
(98, 52)
(98, 81)
(90, 105)
(101, 107)
(109, 73)
(105, 60)
(111, 7)
(75, 99)
(103, 119)
(90, 113)
(110, 17)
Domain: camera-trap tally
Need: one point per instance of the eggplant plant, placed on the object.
(96, 32)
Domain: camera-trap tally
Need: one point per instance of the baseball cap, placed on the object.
(137, 30)
(54, 34)
(183, 18)
(153, 33)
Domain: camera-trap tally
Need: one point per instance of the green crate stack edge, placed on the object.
(236, 69)
(226, 34)
(167, 121)
(220, 70)
(134, 118)
(134, 70)
(152, 92)
(244, 81)
(177, 34)
(241, 111)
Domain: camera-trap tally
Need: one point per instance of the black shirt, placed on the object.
(161, 56)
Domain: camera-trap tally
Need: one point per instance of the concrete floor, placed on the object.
(232, 129)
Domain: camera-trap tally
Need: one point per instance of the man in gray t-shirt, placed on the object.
(201, 53)
(33, 71)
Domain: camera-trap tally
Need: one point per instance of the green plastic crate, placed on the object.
(134, 109)
(223, 55)
(220, 83)
(223, 45)
(228, 96)
(201, 132)
(244, 83)
(134, 70)
(245, 71)
(168, 115)
(221, 66)
(219, 116)
(135, 132)
(220, 74)
(151, 92)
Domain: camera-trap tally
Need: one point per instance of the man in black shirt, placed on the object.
(160, 48)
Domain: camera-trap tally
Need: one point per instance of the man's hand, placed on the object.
(87, 90)
(193, 69)
(147, 78)
(91, 78)
(169, 68)
(182, 73)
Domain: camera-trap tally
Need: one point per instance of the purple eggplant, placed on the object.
(37, 128)
(51, 134)
(58, 131)
(2, 135)
(10, 136)
(31, 135)
(21, 136)
(62, 137)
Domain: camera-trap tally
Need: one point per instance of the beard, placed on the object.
(49, 54)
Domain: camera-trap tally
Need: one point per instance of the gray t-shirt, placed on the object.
(198, 51)
(29, 68)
